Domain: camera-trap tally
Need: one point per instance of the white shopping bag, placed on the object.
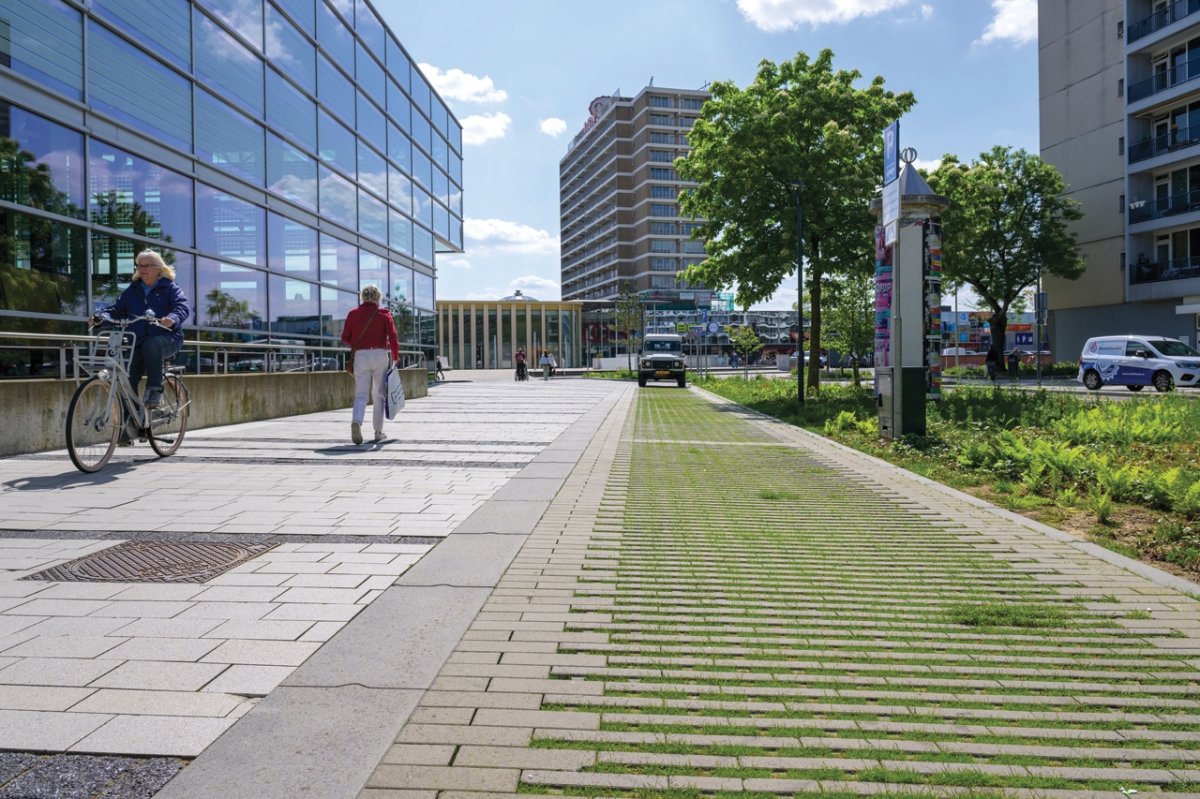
(393, 395)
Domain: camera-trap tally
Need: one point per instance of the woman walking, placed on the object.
(371, 333)
(546, 363)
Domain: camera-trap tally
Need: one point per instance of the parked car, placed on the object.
(807, 360)
(957, 351)
(1138, 361)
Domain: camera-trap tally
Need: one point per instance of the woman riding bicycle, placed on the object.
(153, 289)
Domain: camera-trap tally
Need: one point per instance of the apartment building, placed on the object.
(618, 193)
(1118, 94)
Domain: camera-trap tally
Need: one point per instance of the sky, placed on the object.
(519, 75)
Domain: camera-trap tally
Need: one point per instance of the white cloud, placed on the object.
(778, 15)
(553, 126)
(454, 263)
(454, 84)
(538, 287)
(926, 12)
(927, 163)
(480, 128)
(1015, 20)
(502, 236)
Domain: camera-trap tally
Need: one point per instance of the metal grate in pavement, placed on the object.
(146, 562)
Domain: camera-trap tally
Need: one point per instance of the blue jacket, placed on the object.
(165, 299)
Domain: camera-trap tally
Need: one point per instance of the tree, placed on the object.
(1007, 219)
(798, 121)
(849, 321)
(225, 310)
(627, 317)
(745, 343)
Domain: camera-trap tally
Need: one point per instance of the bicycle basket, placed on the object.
(117, 345)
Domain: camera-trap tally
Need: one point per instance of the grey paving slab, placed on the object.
(515, 517)
(531, 489)
(465, 561)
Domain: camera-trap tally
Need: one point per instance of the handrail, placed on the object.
(1160, 19)
(194, 343)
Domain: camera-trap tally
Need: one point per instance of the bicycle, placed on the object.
(106, 403)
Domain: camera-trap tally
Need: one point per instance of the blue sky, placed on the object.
(520, 74)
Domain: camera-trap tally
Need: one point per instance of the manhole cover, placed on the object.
(146, 562)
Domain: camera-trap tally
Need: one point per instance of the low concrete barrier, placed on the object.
(33, 413)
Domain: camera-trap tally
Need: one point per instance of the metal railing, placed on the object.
(225, 357)
(1177, 269)
(1182, 203)
(1188, 70)
(1162, 18)
(1176, 139)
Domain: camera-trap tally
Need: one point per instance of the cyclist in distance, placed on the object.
(153, 289)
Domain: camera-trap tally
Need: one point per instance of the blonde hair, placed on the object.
(370, 294)
(163, 267)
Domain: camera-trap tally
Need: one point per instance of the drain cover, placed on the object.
(147, 562)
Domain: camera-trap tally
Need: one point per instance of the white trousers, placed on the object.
(369, 368)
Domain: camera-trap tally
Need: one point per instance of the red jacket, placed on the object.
(379, 336)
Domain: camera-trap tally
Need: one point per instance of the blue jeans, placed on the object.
(148, 360)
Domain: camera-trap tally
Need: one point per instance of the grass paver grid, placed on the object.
(783, 619)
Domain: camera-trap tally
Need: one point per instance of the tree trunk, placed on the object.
(999, 323)
(814, 347)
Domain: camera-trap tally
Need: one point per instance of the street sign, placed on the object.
(1022, 339)
(891, 233)
(681, 327)
(891, 152)
(704, 316)
(891, 203)
(964, 337)
(713, 328)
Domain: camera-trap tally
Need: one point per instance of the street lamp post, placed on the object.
(798, 186)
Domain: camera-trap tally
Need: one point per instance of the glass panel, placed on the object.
(441, 187)
(295, 307)
(399, 106)
(244, 16)
(422, 245)
(338, 199)
(44, 269)
(111, 62)
(567, 361)
(455, 136)
(399, 190)
(456, 234)
(228, 140)
(427, 335)
(441, 152)
(420, 90)
(423, 291)
(372, 217)
(131, 194)
(399, 148)
(523, 342)
(335, 307)
(336, 90)
(370, 29)
(402, 283)
(422, 207)
(456, 197)
(535, 332)
(290, 51)
(41, 163)
(303, 11)
(400, 231)
(230, 227)
(345, 8)
(337, 145)
(289, 111)
(552, 336)
(372, 270)
(404, 317)
(370, 75)
(291, 173)
(456, 169)
(397, 61)
(478, 338)
(225, 64)
(43, 40)
(165, 23)
(294, 248)
(421, 132)
(339, 263)
(422, 170)
(232, 297)
(441, 222)
(438, 116)
(505, 334)
(337, 40)
(372, 170)
(372, 125)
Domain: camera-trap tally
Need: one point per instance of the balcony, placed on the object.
(1162, 18)
(1177, 139)
(1160, 82)
(1164, 207)
(1178, 269)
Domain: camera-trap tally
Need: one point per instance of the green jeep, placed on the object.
(662, 359)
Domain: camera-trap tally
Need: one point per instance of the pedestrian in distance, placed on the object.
(545, 363)
(553, 366)
(371, 333)
(992, 362)
(520, 359)
(439, 365)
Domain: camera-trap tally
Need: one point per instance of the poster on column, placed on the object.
(883, 300)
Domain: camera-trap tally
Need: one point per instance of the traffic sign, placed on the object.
(891, 152)
(713, 328)
(681, 327)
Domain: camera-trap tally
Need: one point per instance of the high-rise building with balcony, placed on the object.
(280, 153)
(618, 193)
(1120, 118)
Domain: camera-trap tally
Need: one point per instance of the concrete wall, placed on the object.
(34, 412)
(1071, 327)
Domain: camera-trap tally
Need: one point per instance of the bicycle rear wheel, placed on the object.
(168, 422)
(93, 424)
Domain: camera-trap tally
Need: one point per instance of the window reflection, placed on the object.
(441, 151)
(456, 234)
(335, 306)
(400, 233)
(456, 206)
(372, 217)
(338, 198)
(290, 111)
(372, 125)
(229, 296)
(164, 23)
(294, 248)
(422, 207)
(422, 245)
(372, 170)
(336, 90)
(229, 227)
(439, 116)
(134, 195)
(369, 28)
(226, 64)
(335, 38)
(421, 132)
(441, 222)
(44, 268)
(295, 306)
(441, 187)
(420, 91)
(336, 144)
(397, 61)
(228, 140)
(399, 190)
(399, 149)
(422, 170)
(291, 173)
(41, 163)
(303, 11)
(290, 51)
(339, 263)
(244, 16)
(402, 283)
(44, 41)
(372, 271)
(456, 169)
(399, 106)
(370, 75)
(455, 136)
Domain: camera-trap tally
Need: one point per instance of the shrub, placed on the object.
(1100, 504)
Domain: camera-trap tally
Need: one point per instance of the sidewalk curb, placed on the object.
(1151, 573)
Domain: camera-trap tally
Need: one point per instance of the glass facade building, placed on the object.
(486, 334)
(281, 154)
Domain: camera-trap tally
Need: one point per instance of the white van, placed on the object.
(1136, 361)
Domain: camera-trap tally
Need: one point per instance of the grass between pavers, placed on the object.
(1124, 474)
(709, 592)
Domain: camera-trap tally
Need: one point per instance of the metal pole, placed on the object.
(897, 348)
(957, 336)
(799, 186)
(1038, 311)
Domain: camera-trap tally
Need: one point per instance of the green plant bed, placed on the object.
(1125, 474)
(618, 374)
(1061, 369)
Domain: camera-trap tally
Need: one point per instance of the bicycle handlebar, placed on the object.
(102, 319)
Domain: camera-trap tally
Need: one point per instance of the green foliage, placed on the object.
(628, 313)
(1100, 504)
(848, 320)
(1124, 423)
(1006, 614)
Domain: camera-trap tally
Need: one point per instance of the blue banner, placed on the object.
(891, 152)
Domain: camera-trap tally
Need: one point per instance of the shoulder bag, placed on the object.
(357, 341)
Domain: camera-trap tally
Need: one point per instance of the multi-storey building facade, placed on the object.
(620, 221)
(280, 153)
(1119, 95)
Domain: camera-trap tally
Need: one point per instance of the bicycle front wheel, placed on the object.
(168, 422)
(93, 424)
